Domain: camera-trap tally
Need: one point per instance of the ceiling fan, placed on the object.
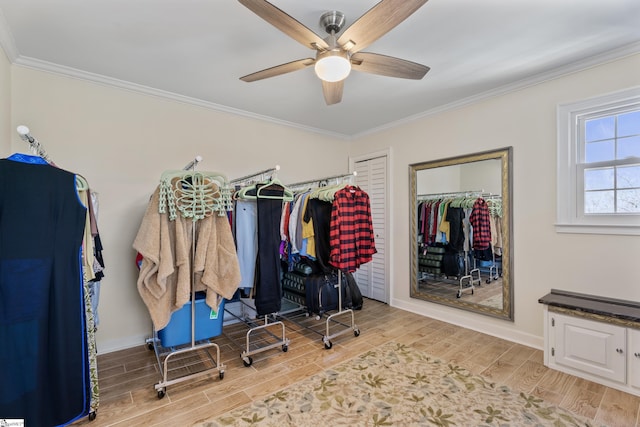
(337, 55)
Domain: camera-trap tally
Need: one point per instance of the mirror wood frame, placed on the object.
(505, 155)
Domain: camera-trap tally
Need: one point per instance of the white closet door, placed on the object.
(372, 178)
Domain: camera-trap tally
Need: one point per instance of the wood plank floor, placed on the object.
(127, 377)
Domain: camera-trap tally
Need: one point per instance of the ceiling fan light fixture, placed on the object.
(332, 66)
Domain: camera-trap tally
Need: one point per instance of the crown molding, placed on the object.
(8, 44)
(574, 67)
(50, 67)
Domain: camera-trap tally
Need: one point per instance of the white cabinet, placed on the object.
(634, 358)
(596, 350)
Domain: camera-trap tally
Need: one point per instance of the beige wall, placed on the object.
(5, 105)
(544, 259)
(122, 141)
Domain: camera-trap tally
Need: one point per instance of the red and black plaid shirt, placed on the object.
(480, 222)
(351, 229)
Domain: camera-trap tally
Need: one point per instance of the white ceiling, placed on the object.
(196, 50)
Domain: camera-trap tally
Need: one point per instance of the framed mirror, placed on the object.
(461, 232)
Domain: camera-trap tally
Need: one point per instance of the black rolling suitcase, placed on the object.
(321, 294)
(453, 264)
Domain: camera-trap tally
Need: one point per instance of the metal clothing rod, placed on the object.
(348, 175)
(255, 175)
(479, 193)
(23, 131)
(193, 163)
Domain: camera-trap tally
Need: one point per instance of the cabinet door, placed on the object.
(589, 346)
(634, 357)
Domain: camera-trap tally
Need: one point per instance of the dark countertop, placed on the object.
(619, 309)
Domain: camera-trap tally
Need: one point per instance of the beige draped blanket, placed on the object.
(166, 273)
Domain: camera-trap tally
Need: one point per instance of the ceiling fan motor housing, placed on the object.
(332, 21)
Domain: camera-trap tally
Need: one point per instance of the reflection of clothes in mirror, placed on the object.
(480, 221)
(455, 218)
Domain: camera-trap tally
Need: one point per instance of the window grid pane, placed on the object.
(628, 147)
(629, 124)
(599, 202)
(628, 176)
(628, 201)
(613, 189)
(601, 128)
(599, 179)
(600, 151)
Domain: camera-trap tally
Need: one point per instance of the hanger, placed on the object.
(81, 183)
(286, 196)
(194, 194)
(218, 177)
(242, 193)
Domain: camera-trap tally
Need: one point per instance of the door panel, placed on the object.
(372, 178)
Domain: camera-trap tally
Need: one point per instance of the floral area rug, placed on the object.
(397, 385)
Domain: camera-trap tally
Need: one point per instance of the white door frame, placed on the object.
(388, 257)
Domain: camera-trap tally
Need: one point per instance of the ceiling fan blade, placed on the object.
(387, 66)
(378, 20)
(332, 91)
(278, 70)
(285, 23)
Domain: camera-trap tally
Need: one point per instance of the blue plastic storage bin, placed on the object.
(208, 323)
(483, 263)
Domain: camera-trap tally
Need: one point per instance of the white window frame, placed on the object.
(570, 181)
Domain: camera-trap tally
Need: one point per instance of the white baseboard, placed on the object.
(478, 323)
(121, 343)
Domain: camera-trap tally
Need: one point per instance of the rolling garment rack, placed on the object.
(203, 200)
(260, 336)
(351, 327)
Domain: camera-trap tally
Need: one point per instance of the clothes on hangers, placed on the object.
(268, 290)
(480, 221)
(246, 236)
(351, 237)
(319, 213)
(165, 280)
(45, 371)
(92, 261)
(332, 226)
(437, 214)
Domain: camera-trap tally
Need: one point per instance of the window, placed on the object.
(599, 165)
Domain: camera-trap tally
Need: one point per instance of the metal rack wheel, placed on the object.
(248, 360)
(221, 374)
(327, 343)
(161, 393)
(356, 332)
(459, 294)
(92, 415)
(150, 345)
(285, 348)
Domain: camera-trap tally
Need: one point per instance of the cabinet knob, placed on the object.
(619, 350)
